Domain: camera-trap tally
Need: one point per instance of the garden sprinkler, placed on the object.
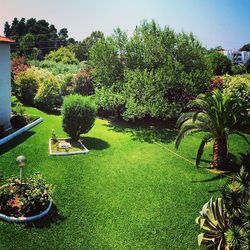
(21, 162)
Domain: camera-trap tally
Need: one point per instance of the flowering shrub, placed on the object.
(48, 95)
(239, 69)
(216, 83)
(27, 84)
(18, 65)
(238, 87)
(62, 55)
(82, 83)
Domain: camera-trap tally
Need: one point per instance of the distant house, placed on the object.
(5, 81)
(237, 57)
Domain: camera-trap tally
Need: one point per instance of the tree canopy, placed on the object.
(245, 47)
(32, 33)
(153, 73)
(81, 49)
(220, 63)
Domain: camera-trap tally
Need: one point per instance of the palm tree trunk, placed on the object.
(220, 154)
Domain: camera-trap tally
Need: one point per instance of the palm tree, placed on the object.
(219, 115)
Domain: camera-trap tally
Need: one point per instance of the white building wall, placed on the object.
(5, 85)
(237, 57)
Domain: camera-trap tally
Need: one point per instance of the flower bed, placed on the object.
(66, 146)
(25, 201)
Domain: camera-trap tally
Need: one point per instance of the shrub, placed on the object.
(78, 115)
(220, 63)
(238, 87)
(18, 65)
(17, 108)
(66, 84)
(82, 83)
(18, 121)
(26, 86)
(216, 83)
(31, 118)
(63, 55)
(238, 69)
(48, 95)
(109, 101)
(57, 68)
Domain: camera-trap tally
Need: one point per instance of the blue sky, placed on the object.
(214, 22)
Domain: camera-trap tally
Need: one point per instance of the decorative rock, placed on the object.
(64, 144)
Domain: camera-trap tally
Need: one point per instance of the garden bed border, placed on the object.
(26, 219)
(84, 151)
(20, 131)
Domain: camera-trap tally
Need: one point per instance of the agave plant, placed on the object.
(218, 116)
(245, 217)
(214, 221)
(236, 192)
(237, 238)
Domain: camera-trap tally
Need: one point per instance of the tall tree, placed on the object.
(220, 63)
(82, 49)
(156, 71)
(46, 36)
(7, 30)
(63, 33)
(246, 47)
(27, 45)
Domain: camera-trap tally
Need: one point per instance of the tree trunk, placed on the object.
(220, 154)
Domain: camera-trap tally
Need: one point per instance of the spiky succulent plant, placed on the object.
(214, 222)
(237, 238)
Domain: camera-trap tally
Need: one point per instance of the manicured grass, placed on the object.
(127, 193)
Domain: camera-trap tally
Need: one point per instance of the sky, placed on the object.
(213, 22)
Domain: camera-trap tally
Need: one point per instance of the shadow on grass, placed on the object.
(214, 178)
(164, 133)
(15, 142)
(53, 217)
(92, 143)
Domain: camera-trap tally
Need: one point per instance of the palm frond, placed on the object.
(185, 131)
(207, 138)
(195, 115)
(183, 118)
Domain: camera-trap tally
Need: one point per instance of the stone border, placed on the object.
(84, 151)
(26, 219)
(20, 131)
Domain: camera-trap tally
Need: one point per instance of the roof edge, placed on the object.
(4, 39)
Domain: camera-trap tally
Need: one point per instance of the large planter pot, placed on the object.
(26, 219)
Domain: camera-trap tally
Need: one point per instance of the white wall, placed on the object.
(5, 84)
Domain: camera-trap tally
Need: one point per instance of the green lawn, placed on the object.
(127, 193)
